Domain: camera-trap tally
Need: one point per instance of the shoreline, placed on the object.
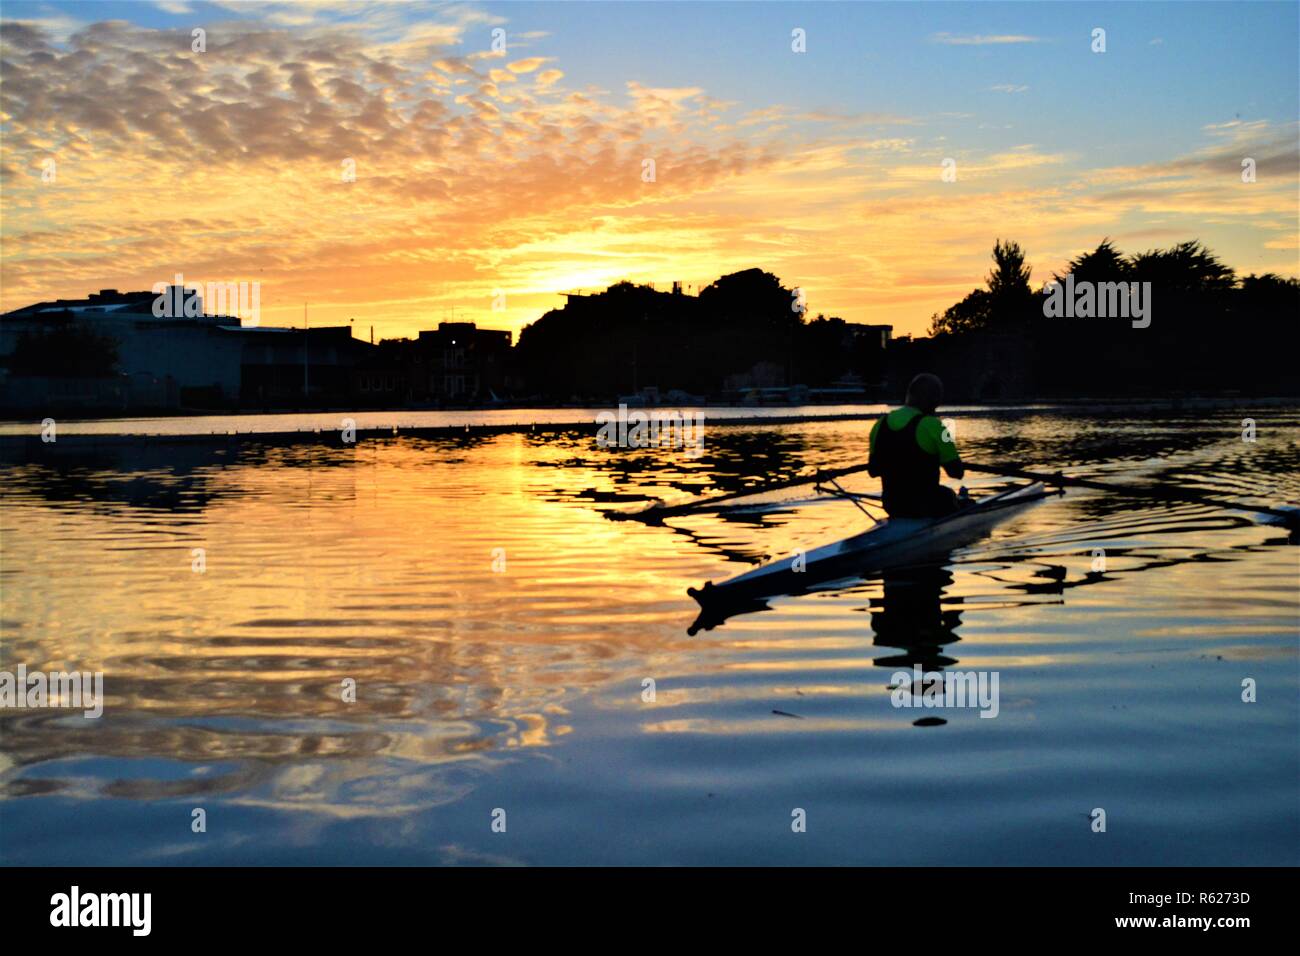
(12, 416)
(14, 440)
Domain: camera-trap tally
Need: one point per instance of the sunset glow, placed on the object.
(490, 181)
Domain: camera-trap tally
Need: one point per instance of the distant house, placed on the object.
(288, 368)
(193, 360)
(873, 336)
(385, 376)
(869, 348)
(457, 363)
(464, 363)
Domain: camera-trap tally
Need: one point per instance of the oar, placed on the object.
(1290, 517)
(758, 507)
(657, 512)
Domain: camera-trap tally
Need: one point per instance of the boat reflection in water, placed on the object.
(909, 616)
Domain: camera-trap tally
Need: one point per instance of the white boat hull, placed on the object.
(894, 542)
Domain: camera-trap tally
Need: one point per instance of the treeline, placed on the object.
(744, 330)
(1205, 330)
(67, 351)
(1188, 283)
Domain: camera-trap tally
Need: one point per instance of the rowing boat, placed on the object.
(890, 543)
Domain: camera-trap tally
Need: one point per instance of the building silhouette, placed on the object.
(143, 350)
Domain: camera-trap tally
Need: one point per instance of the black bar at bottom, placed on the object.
(333, 906)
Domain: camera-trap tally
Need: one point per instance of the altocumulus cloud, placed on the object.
(255, 128)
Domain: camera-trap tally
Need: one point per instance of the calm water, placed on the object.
(521, 687)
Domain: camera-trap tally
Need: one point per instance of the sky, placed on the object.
(489, 179)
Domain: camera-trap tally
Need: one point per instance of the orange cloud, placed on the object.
(232, 164)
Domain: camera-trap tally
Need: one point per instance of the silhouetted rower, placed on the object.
(908, 447)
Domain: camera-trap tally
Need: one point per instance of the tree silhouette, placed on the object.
(68, 351)
(1007, 302)
(1103, 264)
(1195, 338)
(971, 314)
(629, 336)
(1187, 280)
(1270, 298)
(1010, 275)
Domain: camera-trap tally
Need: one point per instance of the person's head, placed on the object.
(924, 393)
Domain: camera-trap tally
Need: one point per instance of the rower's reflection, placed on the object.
(909, 615)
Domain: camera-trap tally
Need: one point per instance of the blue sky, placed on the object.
(880, 56)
